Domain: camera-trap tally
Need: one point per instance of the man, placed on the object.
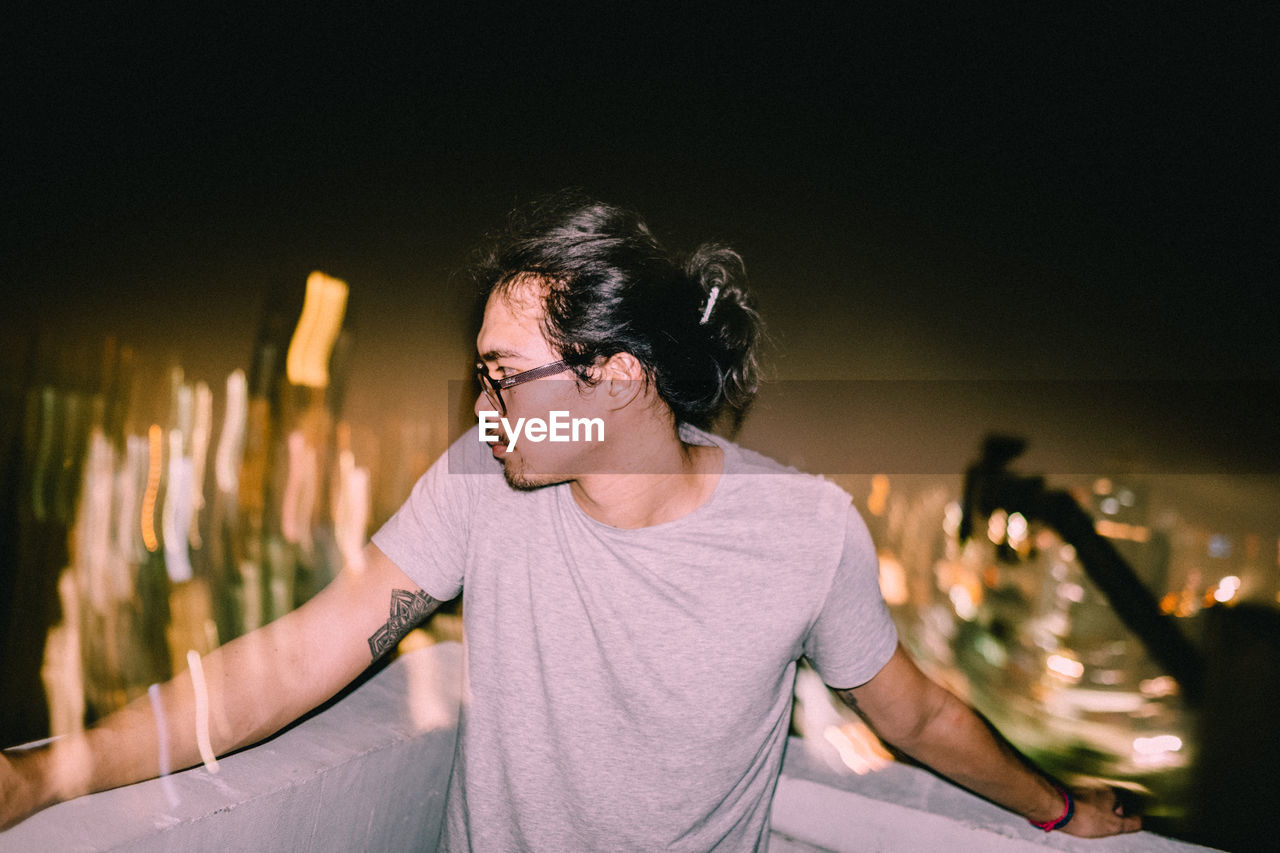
(637, 595)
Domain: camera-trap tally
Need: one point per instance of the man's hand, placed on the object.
(933, 726)
(1099, 811)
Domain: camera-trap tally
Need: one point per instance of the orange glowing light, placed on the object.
(156, 451)
(1161, 685)
(1119, 530)
(996, 525)
(991, 577)
(893, 580)
(307, 362)
(859, 749)
(879, 494)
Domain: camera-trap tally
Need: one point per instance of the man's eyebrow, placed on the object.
(498, 354)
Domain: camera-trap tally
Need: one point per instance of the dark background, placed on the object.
(971, 193)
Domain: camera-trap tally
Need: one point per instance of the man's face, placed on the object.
(511, 342)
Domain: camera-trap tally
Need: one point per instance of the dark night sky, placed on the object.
(1077, 193)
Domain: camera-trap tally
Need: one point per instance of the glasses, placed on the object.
(493, 388)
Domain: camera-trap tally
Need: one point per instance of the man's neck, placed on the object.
(660, 482)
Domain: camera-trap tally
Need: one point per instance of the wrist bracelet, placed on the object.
(1068, 812)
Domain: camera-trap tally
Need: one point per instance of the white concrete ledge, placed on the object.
(905, 809)
(369, 773)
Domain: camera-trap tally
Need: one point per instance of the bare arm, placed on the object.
(256, 684)
(933, 726)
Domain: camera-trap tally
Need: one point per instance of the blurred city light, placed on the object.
(1069, 668)
(1157, 750)
(307, 363)
(1227, 589)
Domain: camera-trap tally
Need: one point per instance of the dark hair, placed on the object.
(612, 288)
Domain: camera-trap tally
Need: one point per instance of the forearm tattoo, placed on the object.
(847, 697)
(407, 610)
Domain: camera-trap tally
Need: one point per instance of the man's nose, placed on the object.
(485, 403)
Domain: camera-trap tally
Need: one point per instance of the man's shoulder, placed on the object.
(469, 455)
(762, 479)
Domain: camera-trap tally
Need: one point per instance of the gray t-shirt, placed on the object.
(631, 689)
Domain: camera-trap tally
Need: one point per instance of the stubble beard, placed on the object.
(514, 472)
(519, 479)
(520, 476)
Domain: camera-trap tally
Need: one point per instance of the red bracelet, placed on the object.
(1068, 812)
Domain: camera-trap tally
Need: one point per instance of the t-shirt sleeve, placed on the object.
(853, 636)
(427, 537)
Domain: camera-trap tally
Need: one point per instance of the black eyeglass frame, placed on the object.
(493, 388)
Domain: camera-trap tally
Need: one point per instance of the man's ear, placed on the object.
(621, 378)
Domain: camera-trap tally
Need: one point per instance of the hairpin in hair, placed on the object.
(711, 303)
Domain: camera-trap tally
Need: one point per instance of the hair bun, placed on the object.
(731, 324)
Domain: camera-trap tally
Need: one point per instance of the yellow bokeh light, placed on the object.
(1069, 668)
(322, 310)
(155, 445)
(879, 496)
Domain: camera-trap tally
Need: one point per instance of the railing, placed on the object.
(370, 773)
